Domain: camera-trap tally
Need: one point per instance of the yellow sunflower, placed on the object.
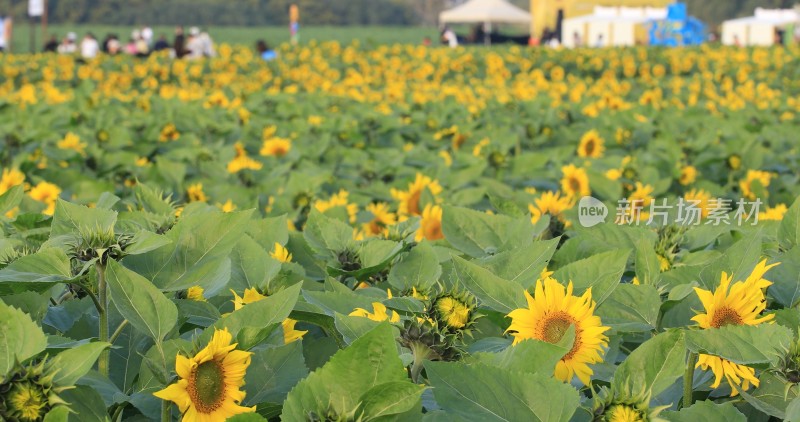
(276, 147)
(280, 253)
(591, 145)
(688, 175)
(575, 182)
(430, 226)
(252, 295)
(169, 133)
(550, 312)
(409, 199)
(338, 200)
(379, 313)
(242, 161)
(773, 213)
(10, 178)
(746, 185)
(549, 203)
(46, 193)
(208, 388)
(73, 142)
(195, 193)
(700, 199)
(195, 293)
(381, 219)
(737, 304)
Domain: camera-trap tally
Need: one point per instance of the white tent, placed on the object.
(609, 26)
(758, 29)
(486, 11)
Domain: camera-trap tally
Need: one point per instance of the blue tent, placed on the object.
(677, 29)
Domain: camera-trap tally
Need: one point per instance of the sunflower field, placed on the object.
(401, 233)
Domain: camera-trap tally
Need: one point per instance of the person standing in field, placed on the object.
(5, 33)
(450, 37)
(194, 46)
(180, 42)
(89, 46)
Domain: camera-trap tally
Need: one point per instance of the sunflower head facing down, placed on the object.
(208, 388)
(737, 304)
(550, 313)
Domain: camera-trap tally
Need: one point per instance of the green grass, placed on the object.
(239, 35)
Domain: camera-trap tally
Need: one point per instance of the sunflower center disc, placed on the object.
(555, 328)
(725, 316)
(208, 386)
(589, 147)
(413, 202)
(574, 184)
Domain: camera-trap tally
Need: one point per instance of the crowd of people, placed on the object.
(141, 43)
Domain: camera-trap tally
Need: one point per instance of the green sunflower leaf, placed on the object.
(705, 411)
(493, 292)
(337, 386)
(140, 302)
(483, 393)
(742, 344)
(20, 338)
(654, 365)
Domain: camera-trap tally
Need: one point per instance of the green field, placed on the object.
(239, 35)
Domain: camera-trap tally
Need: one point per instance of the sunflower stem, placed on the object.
(166, 414)
(421, 353)
(102, 293)
(688, 379)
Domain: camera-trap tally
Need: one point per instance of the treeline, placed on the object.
(714, 12)
(232, 12)
(312, 12)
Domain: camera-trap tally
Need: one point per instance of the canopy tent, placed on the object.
(486, 11)
(610, 26)
(759, 29)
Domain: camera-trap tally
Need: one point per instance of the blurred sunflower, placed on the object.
(381, 219)
(430, 226)
(410, 198)
(737, 304)
(747, 187)
(210, 381)
(551, 203)
(575, 182)
(46, 193)
(10, 178)
(195, 193)
(591, 145)
(72, 142)
(773, 213)
(699, 199)
(276, 147)
(339, 199)
(688, 175)
(169, 133)
(242, 161)
(550, 312)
